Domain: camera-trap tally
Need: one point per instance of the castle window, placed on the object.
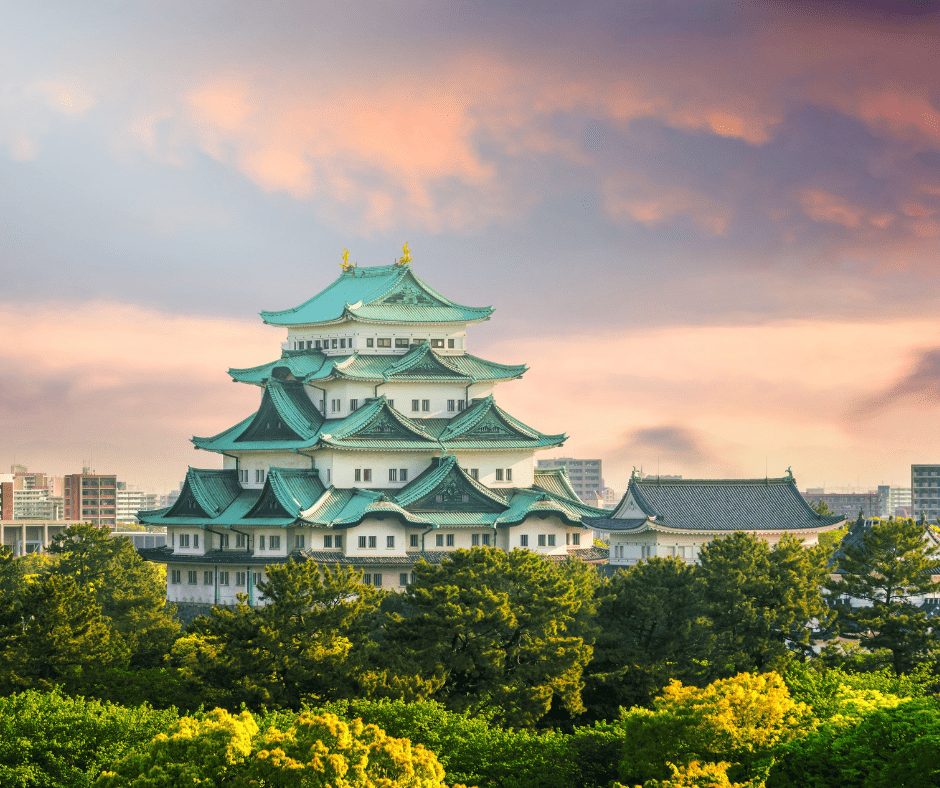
(261, 542)
(195, 540)
(551, 540)
(461, 404)
(372, 542)
(353, 405)
(367, 579)
(541, 540)
(239, 540)
(451, 405)
(390, 542)
(450, 540)
(450, 343)
(328, 540)
(475, 474)
(259, 476)
(342, 343)
(275, 543)
(499, 474)
(309, 344)
(485, 538)
(358, 474)
(298, 541)
(576, 539)
(401, 342)
(175, 576)
(438, 541)
(184, 540)
(192, 578)
(367, 474)
(384, 342)
(509, 474)
(362, 542)
(370, 342)
(403, 579)
(391, 403)
(316, 344)
(240, 578)
(402, 474)
(475, 540)
(437, 343)
(333, 343)
(413, 540)
(393, 474)
(223, 541)
(377, 580)
(415, 405)
(426, 405)
(223, 578)
(524, 540)
(207, 578)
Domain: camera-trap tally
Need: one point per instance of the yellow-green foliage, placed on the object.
(316, 750)
(737, 722)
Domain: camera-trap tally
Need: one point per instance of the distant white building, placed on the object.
(129, 502)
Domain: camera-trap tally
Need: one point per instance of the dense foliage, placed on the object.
(491, 669)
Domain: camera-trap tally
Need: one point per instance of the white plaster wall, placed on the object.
(253, 460)
(535, 526)
(380, 529)
(344, 463)
(173, 539)
(344, 391)
(268, 552)
(183, 591)
(522, 463)
(437, 393)
(229, 463)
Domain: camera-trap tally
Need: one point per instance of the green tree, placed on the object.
(58, 636)
(504, 634)
(651, 634)
(306, 643)
(49, 739)
(130, 591)
(761, 601)
(884, 566)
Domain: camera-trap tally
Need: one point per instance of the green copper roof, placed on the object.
(418, 364)
(287, 492)
(383, 294)
(287, 420)
(444, 495)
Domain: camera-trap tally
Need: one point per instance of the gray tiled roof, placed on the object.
(722, 505)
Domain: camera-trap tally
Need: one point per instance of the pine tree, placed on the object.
(885, 566)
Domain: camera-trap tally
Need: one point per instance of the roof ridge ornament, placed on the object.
(406, 258)
(346, 265)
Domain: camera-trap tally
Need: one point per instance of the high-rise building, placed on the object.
(91, 498)
(585, 476)
(896, 501)
(129, 502)
(377, 442)
(925, 491)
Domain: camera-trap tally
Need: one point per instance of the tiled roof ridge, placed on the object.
(378, 405)
(300, 414)
(367, 271)
(762, 481)
(205, 499)
(470, 417)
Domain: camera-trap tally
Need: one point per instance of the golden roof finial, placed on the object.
(346, 265)
(406, 257)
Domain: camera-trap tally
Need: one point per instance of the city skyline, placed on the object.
(711, 230)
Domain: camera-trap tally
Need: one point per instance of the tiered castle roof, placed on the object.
(288, 420)
(380, 294)
(444, 495)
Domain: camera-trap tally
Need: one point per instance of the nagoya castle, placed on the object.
(377, 443)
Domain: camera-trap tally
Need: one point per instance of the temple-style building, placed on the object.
(676, 517)
(377, 443)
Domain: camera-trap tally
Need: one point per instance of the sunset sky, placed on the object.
(712, 229)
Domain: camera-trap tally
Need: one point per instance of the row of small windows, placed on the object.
(417, 406)
(241, 578)
(243, 473)
(340, 343)
(394, 474)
